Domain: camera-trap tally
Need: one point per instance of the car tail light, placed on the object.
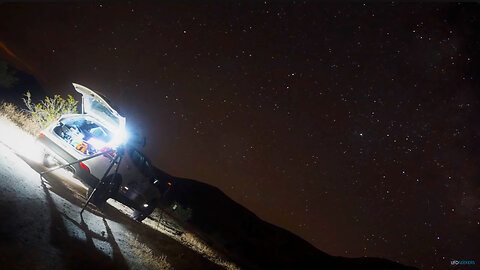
(110, 154)
(41, 135)
(84, 167)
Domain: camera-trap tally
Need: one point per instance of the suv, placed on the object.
(97, 129)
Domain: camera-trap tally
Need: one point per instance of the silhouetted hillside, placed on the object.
(251, 242)
(15, 83)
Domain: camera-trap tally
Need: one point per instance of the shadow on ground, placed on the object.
(88, 248)
(78, 254)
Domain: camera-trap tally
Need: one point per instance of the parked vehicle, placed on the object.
(98, 128)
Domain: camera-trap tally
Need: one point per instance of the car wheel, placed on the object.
(106, 189)
(139, 215)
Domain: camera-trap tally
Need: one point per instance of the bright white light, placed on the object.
(120, 136)
(98, 144)
(66, 174)
(19, 141)
(50, 160)
(145, 205)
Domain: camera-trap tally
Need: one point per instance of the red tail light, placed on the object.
(84, 167)
(110, 154)
(41, 135)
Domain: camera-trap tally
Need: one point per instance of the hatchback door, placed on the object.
(98, 106)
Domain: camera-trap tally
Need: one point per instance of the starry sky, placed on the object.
(354, 126)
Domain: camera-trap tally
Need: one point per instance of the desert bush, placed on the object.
(49, 109)
(19, 118)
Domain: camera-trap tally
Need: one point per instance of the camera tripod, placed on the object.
(119, 152)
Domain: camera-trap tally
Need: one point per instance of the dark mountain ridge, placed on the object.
(248, 240)
(14, 83)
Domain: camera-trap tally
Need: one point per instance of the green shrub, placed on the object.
(49, 109)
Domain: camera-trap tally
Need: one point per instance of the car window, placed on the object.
(95, 107)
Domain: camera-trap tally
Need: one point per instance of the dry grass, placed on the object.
(199, 246)
(19, 118)
(146, 256)
(192, 241)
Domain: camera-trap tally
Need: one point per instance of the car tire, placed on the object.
(105, 190)
(140, 215)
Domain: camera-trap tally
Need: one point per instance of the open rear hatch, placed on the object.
(84, 134)
(97, 106)
(98, 128)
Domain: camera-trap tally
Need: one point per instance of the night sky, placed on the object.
(354, 126)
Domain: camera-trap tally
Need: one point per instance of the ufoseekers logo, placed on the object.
(455, 262)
